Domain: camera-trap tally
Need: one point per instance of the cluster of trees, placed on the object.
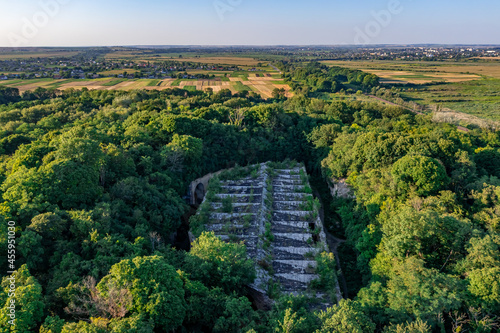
(316, 77)
(95, 182)
(424, 224)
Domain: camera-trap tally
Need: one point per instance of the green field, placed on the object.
(240, 74)
(466, 87)
(480, 98)
(241, 87)
(153, 83)
(113, 82)
(190, 88)
(20, 83)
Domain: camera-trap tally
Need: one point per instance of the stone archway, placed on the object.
(199, 193)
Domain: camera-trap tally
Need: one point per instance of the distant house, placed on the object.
(57, 77)
(3, 77)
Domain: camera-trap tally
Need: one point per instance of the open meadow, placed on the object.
(468, 87)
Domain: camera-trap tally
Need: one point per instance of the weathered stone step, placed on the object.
(284, 228)
(288, 170)
(302, 213)
(298, 278)
(242, 208)
(241, 187)
(288, 188)
(288, 205)
(297, 224)
(283, 176)
(302, 236)
(246, 183)
(294, 266)
(240, 198)
(286, 182)
(294, 282)
(291, 196)
(288, 216)
(289, 242)
(242, 190)
(279, 254)
(237, 229)
(225, 216)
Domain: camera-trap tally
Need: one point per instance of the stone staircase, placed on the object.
(294, 247)
(273, 212)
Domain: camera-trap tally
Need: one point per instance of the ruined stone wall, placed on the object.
(273, 211)
(339, 188)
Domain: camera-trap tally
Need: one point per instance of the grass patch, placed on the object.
(176, 83)
(240, 86)
(113, 82)
(190, 88)
(27, 82)
(480, 98)
(60, 83)
(153, 83)
(9, 82)
(242, 75)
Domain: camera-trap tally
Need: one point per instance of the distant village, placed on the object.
(65, 68)
(93, 67)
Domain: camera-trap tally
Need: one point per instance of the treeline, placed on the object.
(95, 181)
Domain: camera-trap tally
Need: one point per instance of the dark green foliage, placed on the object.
(96, 181)
(9, 95)
(419, 174)
(156, 289)
(345, 317)
(220, 264)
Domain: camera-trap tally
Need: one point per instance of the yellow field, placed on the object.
(421, 77)
(261, 85)
(425, 71)
(27, 55)
(222, 61)
(240, 61)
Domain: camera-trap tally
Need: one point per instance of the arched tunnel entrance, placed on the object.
(199, 194)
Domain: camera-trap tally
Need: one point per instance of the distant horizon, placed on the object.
(69, 23)
(254, 45)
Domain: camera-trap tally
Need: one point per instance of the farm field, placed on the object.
(261, 85)
(439, 71)
(26, 55)
(472, 88)
(220, 60)
(480, 98)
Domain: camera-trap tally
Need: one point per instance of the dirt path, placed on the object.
(276, 68)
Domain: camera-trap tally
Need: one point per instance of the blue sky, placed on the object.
(247, 22)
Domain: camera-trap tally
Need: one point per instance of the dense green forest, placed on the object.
(95, 182)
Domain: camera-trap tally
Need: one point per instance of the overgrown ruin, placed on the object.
(270, 207)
